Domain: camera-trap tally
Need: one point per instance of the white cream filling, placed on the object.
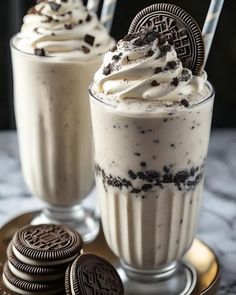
(29, 261)
(33, 278)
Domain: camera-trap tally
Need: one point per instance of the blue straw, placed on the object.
(210, 25)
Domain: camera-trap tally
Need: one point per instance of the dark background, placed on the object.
(221, 65)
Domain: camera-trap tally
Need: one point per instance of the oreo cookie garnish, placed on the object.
(89, 39)
(91, 274)
(177, 26)
(129, 37)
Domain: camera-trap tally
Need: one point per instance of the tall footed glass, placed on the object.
(149, 174)
(55, 135)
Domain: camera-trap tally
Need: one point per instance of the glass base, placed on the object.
(175, 279)
(82, 219)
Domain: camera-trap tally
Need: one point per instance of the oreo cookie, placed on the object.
(34, 273)
(178, 27)
(19, 286)
(90, 274)
(38, 257)
(46, 245)
(67, 281)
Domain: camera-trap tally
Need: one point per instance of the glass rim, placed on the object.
(205, 101)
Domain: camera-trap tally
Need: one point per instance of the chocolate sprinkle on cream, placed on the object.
(116, 57)
(139, 42)
(155, 83)
(145, 39)
(171, 65)
(107, 70)
(184, 102)
(49, 19)
(89, 39)
(88, 18)
(151, 36)
(158, 70)
(185, 75)
(150, 53)
(175, 81)
(68, 26)
(164, 49)
(114, 49)
(85, 49)
(161, 40)
(39, 52)
(183, 180)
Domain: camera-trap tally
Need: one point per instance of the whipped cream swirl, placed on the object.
(145, 66)
(63, 28)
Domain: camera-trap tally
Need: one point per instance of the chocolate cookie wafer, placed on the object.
(90, 274)
(35, 273)
(46, 245)
(178, 27)
(67, 281)
(19, 286)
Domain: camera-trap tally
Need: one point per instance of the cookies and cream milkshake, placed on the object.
(60, 46)
(151, 123)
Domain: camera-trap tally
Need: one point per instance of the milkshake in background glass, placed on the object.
(151, 123)
(60, 46)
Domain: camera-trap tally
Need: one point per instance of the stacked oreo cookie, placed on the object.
(38, 257)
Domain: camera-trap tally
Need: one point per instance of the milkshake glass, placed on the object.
(53, 63)
(149, 157)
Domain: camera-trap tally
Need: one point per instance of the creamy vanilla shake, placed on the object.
(151, 122)
(55, 55)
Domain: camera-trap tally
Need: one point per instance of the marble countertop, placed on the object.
(218, 216)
